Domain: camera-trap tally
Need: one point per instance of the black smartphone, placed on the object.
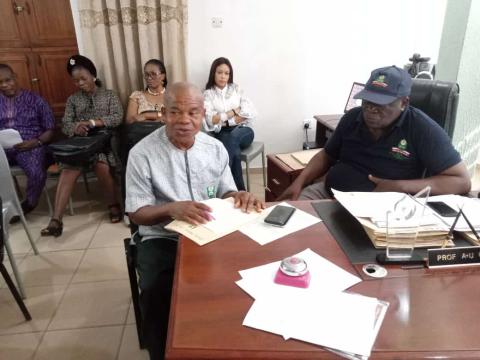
(442, 209)
(280, 215)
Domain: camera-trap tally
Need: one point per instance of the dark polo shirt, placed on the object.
(414, 143)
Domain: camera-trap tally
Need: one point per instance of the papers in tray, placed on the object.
(9, 138)
(370, 209)
(227, 219)
(322, 314)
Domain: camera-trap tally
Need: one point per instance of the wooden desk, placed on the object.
(326, 124)
(431, 313)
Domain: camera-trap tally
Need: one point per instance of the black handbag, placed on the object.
(81, 150)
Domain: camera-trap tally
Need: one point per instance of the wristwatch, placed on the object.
(92, 123)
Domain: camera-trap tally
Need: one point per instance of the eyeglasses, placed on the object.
(151, 75)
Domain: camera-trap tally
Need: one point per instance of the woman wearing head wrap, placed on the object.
(90, 107)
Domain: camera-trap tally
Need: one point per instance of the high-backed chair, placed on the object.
(438, 99)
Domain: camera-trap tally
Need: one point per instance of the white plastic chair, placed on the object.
(10, 208)
(248, 154)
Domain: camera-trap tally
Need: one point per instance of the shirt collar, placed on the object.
(221, 91)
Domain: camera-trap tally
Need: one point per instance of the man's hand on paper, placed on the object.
(26, 145)
(190, 211)
(247, 202)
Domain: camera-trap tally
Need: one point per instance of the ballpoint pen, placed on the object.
(470, 225)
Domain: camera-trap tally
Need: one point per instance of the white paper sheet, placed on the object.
(325, 277)
(264, 233)
(342, 321)
(9, 138)
(225, 216)
(469, 206)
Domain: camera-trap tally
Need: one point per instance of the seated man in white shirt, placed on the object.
(168, 173)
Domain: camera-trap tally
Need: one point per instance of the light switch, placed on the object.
(217, 22)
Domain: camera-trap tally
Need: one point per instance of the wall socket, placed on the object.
(217, 22)
(307, 123)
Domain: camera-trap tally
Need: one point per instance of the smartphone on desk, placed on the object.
(280, 215)
(442, 209)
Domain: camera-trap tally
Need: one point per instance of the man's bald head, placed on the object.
(182, 88)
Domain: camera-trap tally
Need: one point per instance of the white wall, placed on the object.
(298, 58)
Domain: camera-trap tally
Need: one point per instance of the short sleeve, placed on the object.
(434, 148)
(138, 183)
(334, 143)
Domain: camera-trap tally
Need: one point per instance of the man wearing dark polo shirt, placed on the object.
(384, 145)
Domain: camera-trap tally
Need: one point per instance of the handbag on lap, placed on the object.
(80, 150)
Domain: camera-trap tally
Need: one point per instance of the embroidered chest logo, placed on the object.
(380, 81)
(211, 191)
(400, 152)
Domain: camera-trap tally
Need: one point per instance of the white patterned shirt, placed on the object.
(218, 101)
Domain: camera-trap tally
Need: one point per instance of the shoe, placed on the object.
(54, 228)
(116, 214)
(26, 207)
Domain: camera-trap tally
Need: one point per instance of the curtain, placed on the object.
(119, 36)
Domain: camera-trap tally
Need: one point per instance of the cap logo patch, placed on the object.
(72, 62)
(380, 81)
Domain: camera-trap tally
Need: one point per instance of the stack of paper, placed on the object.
(419, 225)
(321, 314)
(9, 138)
(470, 207)
(227, 219)
(304, 157)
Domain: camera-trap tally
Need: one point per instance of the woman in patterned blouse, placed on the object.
(146, 105)
(90, 107)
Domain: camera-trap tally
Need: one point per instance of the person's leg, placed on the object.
(234, 141)
(34, 165)
(104, 176)
(66, 181)
(316, 191)
(155, 266)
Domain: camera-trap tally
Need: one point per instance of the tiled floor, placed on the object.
(77, 287)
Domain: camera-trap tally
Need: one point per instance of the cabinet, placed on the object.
(279, 177)
(36, 39)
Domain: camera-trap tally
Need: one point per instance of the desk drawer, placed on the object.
(278, 179)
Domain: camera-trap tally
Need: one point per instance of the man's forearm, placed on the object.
(316, 168)
(440, 184)
(151, 215)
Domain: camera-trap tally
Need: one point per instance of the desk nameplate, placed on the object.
(461, 256)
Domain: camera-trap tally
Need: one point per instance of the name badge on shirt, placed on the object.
(211, 191)
(400, 152)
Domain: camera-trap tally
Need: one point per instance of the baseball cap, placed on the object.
(386, 85)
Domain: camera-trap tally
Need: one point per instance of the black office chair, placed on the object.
(438, 99)
(7, 277)
(132, 134)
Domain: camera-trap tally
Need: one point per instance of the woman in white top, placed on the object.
(146, 105)
(229, 114)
